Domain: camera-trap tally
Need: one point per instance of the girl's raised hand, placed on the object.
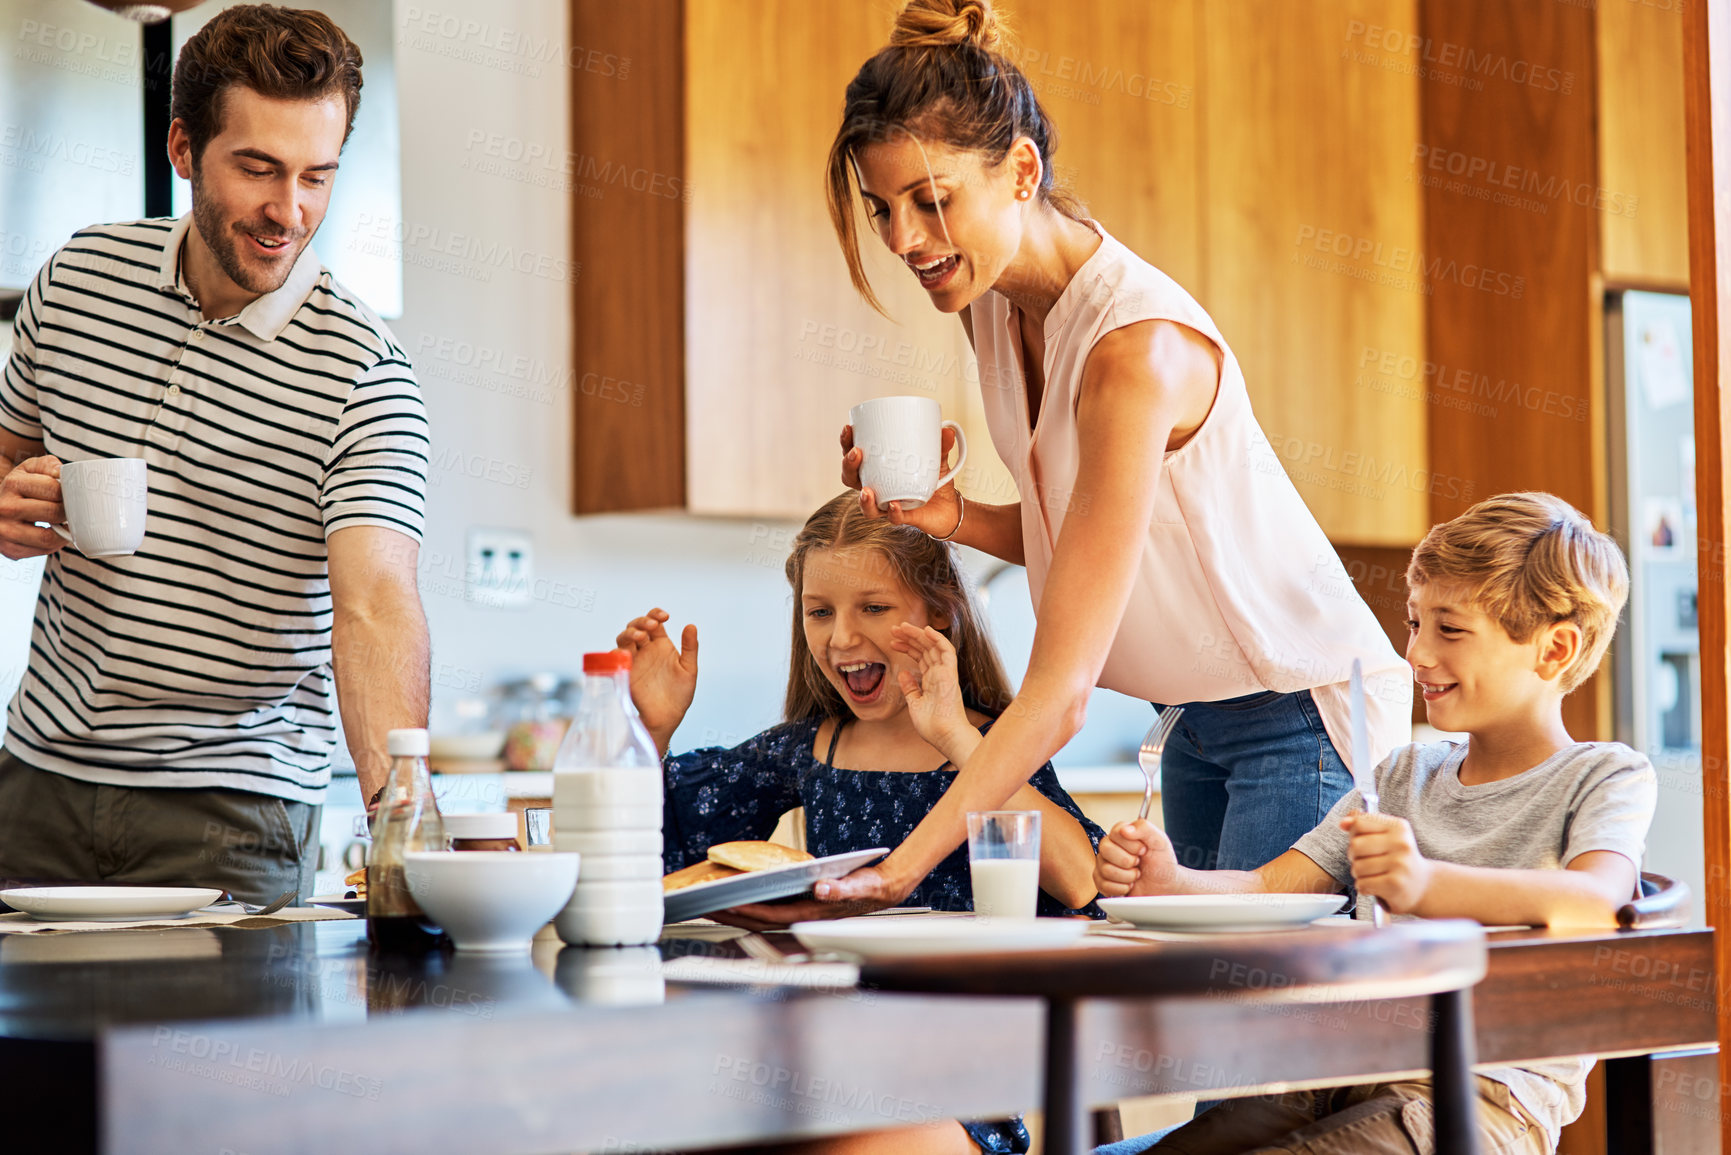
(933, 689)
(938, 517)
(663, 676)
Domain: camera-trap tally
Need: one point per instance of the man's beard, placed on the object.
(219, 238)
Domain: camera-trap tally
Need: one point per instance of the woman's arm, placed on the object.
(993, 529)
(1141, 382)
(1066, 853)
(934, 698)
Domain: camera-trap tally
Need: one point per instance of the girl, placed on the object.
(891, 685)
(1168, 554)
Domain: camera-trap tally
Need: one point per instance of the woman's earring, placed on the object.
(1023, 194)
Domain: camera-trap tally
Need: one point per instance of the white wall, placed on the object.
(491, 345)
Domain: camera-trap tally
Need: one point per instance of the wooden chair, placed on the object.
(1108, 1125)
(1664, 903)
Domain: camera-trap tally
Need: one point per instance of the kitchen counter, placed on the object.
(1119, 778)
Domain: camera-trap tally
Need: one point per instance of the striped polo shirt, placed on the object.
(204, 659)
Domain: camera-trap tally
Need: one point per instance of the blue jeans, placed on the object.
(1242, 779)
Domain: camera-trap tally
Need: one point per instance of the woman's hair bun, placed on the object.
(947, 24)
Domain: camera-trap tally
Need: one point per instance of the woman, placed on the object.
(1194, 575)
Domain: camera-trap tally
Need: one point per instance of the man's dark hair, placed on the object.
(282, 53)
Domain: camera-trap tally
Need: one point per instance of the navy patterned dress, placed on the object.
(720, 795)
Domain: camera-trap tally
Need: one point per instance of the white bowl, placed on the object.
(622, 892)
(587, 842)
(638, 816)
(610, 923)
(607, 786)
(490, 900)
(621, 867)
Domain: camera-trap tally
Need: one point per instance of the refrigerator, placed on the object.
(1656, 657)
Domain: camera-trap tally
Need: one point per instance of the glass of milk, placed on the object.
(1004, 858)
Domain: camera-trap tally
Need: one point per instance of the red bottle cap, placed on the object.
(610, 662)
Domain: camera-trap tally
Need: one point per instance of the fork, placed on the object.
(1153, 745)
(281, 901)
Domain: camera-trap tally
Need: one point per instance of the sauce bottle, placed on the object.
(407, 820)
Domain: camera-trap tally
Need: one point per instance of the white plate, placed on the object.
(338, 902)
(887, 938)
(107, 903)
(1222, 912)
(763, 885)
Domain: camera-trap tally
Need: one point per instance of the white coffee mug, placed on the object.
(106, 502)
(902, 439)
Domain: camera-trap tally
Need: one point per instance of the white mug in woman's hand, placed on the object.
(105, 504)
(902, 441)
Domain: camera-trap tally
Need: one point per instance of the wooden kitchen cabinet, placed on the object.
(1272, 156)
(1311, 219)
(1216, 139)
(1645, 222)
(778, 345)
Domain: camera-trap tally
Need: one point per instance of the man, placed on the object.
(175, 725)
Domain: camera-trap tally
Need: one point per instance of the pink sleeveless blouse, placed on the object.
(1237, 588)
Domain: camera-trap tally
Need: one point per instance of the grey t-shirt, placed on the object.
(1589, 796)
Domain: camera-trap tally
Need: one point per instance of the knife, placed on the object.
(1363, 773)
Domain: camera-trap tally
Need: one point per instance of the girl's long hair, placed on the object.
(928, 569)
(943, 79)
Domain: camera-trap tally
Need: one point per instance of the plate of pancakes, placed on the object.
(735, 873)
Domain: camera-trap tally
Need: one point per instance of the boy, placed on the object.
(1511, 607)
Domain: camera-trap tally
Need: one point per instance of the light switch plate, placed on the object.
(501, 567)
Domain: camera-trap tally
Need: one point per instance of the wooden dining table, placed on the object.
(1623, 995)
(297, 1039)
(1345, 965)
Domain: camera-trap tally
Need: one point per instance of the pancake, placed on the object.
(695, 873)
(755, 855)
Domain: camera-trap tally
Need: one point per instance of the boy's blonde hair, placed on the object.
(1531, 560)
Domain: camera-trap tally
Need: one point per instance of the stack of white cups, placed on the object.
(610, 815)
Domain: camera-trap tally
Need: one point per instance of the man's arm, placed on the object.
(29, 493)
(379, 645)
(30, 489)
(16, 450)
